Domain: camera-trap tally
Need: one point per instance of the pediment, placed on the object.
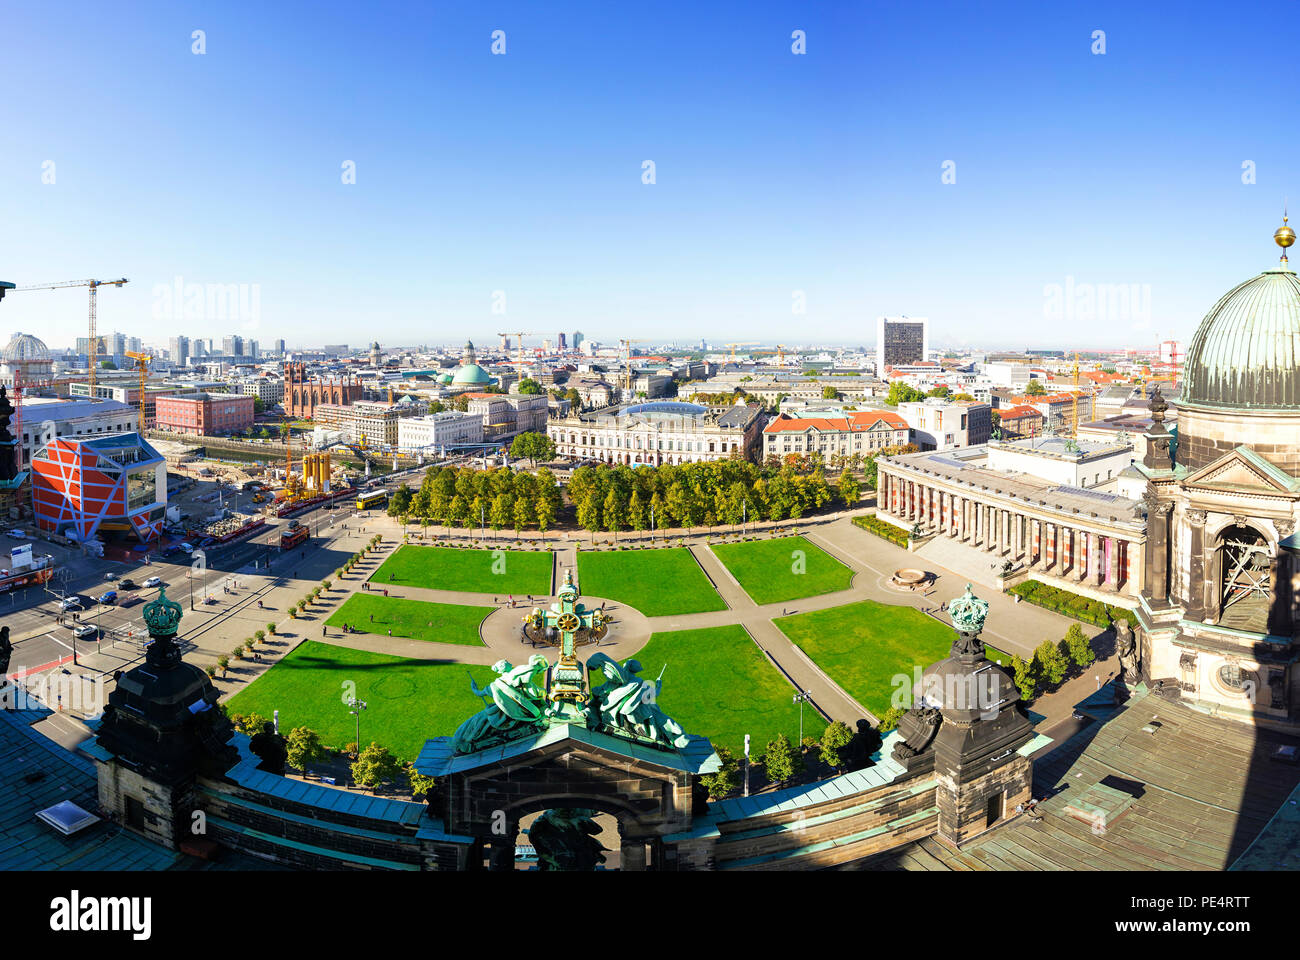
(1243, 470)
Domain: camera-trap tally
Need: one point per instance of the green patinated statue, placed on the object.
(627, 705)
(564, 839)
(163, 616)
(529, 698)
(518, 706)
(968, 612)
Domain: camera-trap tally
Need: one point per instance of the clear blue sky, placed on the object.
(522, 172)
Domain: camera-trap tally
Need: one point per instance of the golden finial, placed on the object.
(1284, 236)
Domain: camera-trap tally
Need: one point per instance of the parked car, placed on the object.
(128, 584)
(70, 603)
(110, 576)
(153, 582)
(16, 534)
(131, 601)
(108, 596)
(85, 631)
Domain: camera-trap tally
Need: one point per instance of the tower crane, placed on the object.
(142, 361)
(519, 342)
(626, 346)
(745, 343)
(94, 287)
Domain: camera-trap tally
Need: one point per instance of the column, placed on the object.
(1112, 563)
(1008, 544)
(1096, 566)
(632, 855)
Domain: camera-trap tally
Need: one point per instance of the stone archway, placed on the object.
(481, 799)
(1243, 575)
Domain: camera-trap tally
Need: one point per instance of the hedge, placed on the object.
(1096, 612)
(882, 529)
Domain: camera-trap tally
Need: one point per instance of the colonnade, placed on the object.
(1062, 549)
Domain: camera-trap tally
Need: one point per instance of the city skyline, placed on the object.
(783, 180)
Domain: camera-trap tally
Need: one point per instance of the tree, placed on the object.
(963, 398)
(524, 513)
(613, 511)
(1051, 662)
(375, 766)
(830, 393)
(1035, 388)
(781, 760)
(849, 489)
(259, 407)
(529, 387)
(420, 784)
(400, 502)
(726, 779)
(502, 512)
(304, 746)
(249, 724)
(533, 446)
(900, 392)
(1026, 677)
(589, 512)
(942, 390)
(835, 740)
(636, 512)
(545, 511)
(889, 719)
(107, 365)
(1078, 647)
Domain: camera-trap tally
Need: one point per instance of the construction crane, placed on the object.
(94, 287)
(519, 342)
(780, 355)
(745, 343)
(142, 361)
(1074, 400)
(626, 346)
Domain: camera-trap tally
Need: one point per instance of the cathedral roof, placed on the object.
(1246, 353)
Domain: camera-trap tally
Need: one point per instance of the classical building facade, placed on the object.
(1218, 615)
(662, 431)
(1082, 539)
(861, 432)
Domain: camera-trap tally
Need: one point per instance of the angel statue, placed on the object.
(518, 701)
(627, 704)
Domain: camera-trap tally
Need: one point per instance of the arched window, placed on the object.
(1245, 578)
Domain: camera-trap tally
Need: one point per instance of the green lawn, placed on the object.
(499, 572)
(865, 646)
(656, 582)
(771, 571)
(719, 685)
(407, 701)
(417, 619)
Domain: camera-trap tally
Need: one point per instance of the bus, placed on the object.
(375, 498)
(293, 535)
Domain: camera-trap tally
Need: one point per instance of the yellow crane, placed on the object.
(142, 361)
(626, 346)
(519, 342)
(94, 287)
(1074, 401)
(745, 343)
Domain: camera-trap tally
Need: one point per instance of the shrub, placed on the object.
(781, 760)
(259, 635)
(223, 662)
(726, 780)
(1077, 646)
(835, 739)
(238, 653)
(210, 670)
(889, 719)
(880, 528)
(1073, 605)
(270, 628)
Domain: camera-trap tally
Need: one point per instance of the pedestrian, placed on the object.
(390, 631)
(385, 591)
(372, 618)
(323, 633)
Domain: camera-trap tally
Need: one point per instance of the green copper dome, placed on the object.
(471, 373)
(1246, 352)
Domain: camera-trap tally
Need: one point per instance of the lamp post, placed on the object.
(801, 699)
(355, 707)
(746, 793)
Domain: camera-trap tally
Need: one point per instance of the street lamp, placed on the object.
(355, 707)
(801, 699)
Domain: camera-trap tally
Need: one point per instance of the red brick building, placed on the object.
(302, 395)
(1020, 421)
(211, 414)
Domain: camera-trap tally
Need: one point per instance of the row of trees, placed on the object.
(698, 494)
(1052, 662)
(782, 760)
(500, 498)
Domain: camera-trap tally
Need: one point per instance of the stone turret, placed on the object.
(161, 729)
